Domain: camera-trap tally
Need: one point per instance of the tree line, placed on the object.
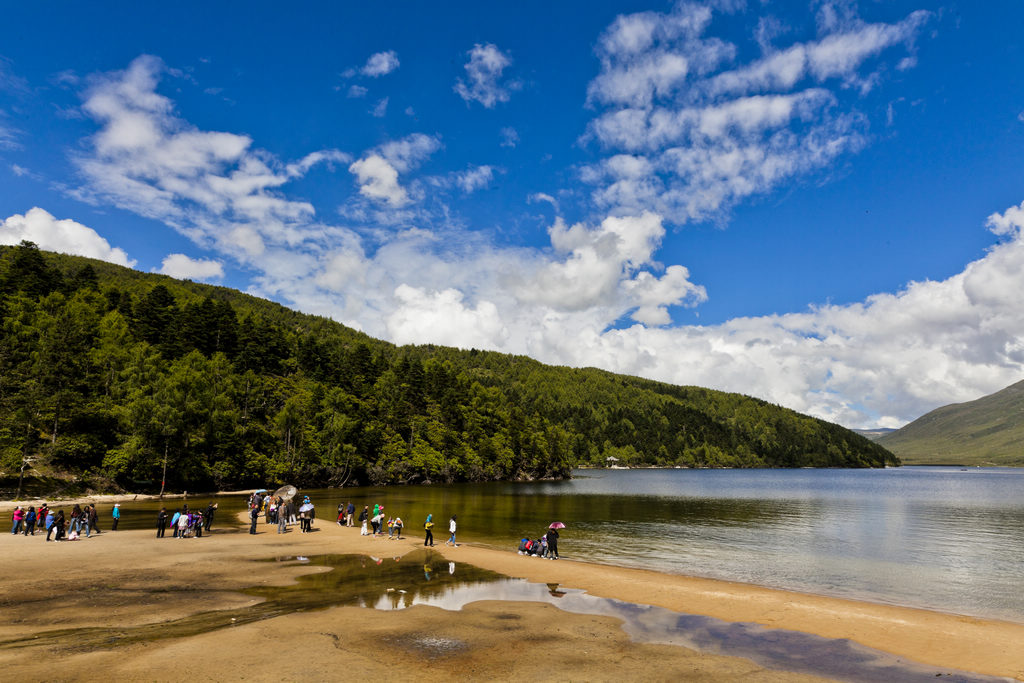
(133, 379)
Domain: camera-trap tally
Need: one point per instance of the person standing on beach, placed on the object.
(451, 530)
(349, 513)
(208, 517)
(48, 521)
(254, 515)
(93, 517)
(30, 521)
(428, 526)
(161, 522)
(363, 516)
(76, 517)
(58, 525)
(17, 518)
(116, 514)
(552, 537)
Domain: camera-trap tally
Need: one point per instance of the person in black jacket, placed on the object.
(208, 517)
(161, 522)
(254, 515)
(58, 525)
(552, 537)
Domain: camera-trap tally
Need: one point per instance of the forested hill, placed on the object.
(112, 375)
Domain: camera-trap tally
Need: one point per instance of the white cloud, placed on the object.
(183, 267)
(62, 235)
(690, 133)
(380, 64)
(509, 137)
(381, 108)
(409, 152)
(214, 187)
(442, 318)
(483, 77)
(356, 91)
(474, 178)
(378, 179)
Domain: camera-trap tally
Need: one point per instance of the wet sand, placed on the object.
(129, 578)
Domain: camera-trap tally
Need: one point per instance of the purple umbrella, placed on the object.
(556, 525)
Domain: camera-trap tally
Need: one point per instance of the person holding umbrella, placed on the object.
(552, 537)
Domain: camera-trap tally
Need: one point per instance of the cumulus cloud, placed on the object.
(381, 108)
(483, 81)
(380, 64)
(62, 235)
(214, 187)
(184, 267)
(689, 132)
(377, 172)
(378, 179)
(356, 91)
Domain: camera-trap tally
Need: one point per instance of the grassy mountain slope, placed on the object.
(133, 377)
(988, 431)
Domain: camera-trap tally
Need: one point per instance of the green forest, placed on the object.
(124, 380)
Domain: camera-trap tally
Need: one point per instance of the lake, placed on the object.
(932, 537)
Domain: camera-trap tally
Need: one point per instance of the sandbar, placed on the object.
(129, 578)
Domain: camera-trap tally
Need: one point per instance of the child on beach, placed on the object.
(451, 529)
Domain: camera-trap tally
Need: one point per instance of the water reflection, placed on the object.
(394, 583)
(380, 582)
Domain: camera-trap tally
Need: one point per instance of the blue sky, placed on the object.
(814, 203)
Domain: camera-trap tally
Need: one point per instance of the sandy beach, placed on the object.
(93, 593)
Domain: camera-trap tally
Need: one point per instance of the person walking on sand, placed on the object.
(161, 522)
(451, 529)
(254, 516)
(428, 526)
(116, 514)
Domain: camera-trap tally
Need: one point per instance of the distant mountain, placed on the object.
(876, 433)
(988, 431)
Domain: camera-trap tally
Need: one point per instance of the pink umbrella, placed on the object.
(556, 525)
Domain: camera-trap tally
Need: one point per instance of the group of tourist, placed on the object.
(185, 523)
(380, 524)
(281, 511)
(83, 521)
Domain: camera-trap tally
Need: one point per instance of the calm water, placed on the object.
(938, 538)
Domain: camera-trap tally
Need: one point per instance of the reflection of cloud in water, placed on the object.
(778, 649)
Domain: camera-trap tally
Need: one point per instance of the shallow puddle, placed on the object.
(424, 577)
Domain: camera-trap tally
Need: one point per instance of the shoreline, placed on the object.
(223, 563)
